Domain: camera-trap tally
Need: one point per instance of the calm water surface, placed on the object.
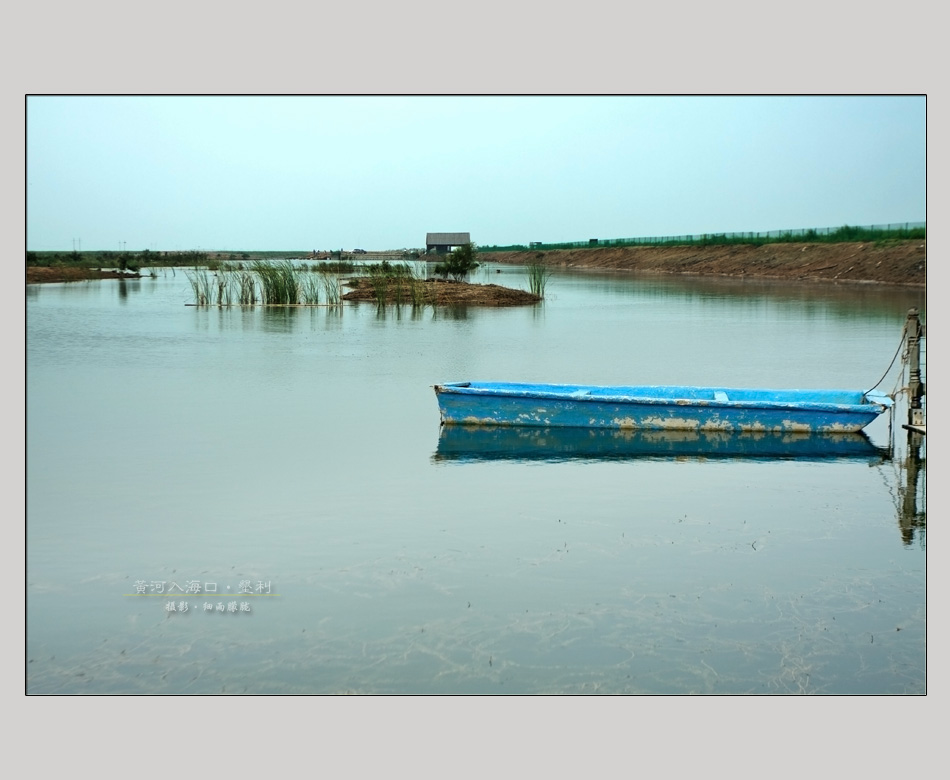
(280, 473)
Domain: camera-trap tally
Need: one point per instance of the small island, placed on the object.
(397, 284)
(437, 292)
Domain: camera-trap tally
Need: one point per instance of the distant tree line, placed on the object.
(844, 234)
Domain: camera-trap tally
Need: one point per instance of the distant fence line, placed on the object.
(895, 230)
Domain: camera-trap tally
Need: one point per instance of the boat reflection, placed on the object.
(465, 443)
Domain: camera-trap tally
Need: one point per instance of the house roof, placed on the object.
(448, 239)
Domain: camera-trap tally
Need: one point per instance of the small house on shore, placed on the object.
(443, 243)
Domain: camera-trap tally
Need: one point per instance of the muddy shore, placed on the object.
(439, 292)
(893, 262)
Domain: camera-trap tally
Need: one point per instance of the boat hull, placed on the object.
(658, 407)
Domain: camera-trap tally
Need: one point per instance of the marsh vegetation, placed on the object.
(283, 283)
(538, 275)
(276, 284)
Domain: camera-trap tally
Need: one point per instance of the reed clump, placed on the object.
(269, 283)
(398, 283)
(310, 289)
(538, 275)
(379, 280)
(331, 287)
(201, 286)
(278, 281)
(385, 268)
(247, 288)
(335, 266)
(223, 287)
(418, 292)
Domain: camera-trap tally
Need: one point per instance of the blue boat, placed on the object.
(663, 408)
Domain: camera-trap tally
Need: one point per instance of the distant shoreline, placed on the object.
(902, 263)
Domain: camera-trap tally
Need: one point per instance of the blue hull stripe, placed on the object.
(658, 408)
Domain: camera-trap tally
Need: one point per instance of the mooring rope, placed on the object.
(903, 336)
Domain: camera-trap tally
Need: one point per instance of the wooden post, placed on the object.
(910, 519)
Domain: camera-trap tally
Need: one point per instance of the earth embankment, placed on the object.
(890, 262)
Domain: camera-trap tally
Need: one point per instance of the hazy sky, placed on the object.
(302, 173)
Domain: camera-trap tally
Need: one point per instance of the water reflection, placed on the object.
(913, 520)
(279, 319)
(451, 312)
(754, 297)
(463, 443)
(326, 317)
(126, 286)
